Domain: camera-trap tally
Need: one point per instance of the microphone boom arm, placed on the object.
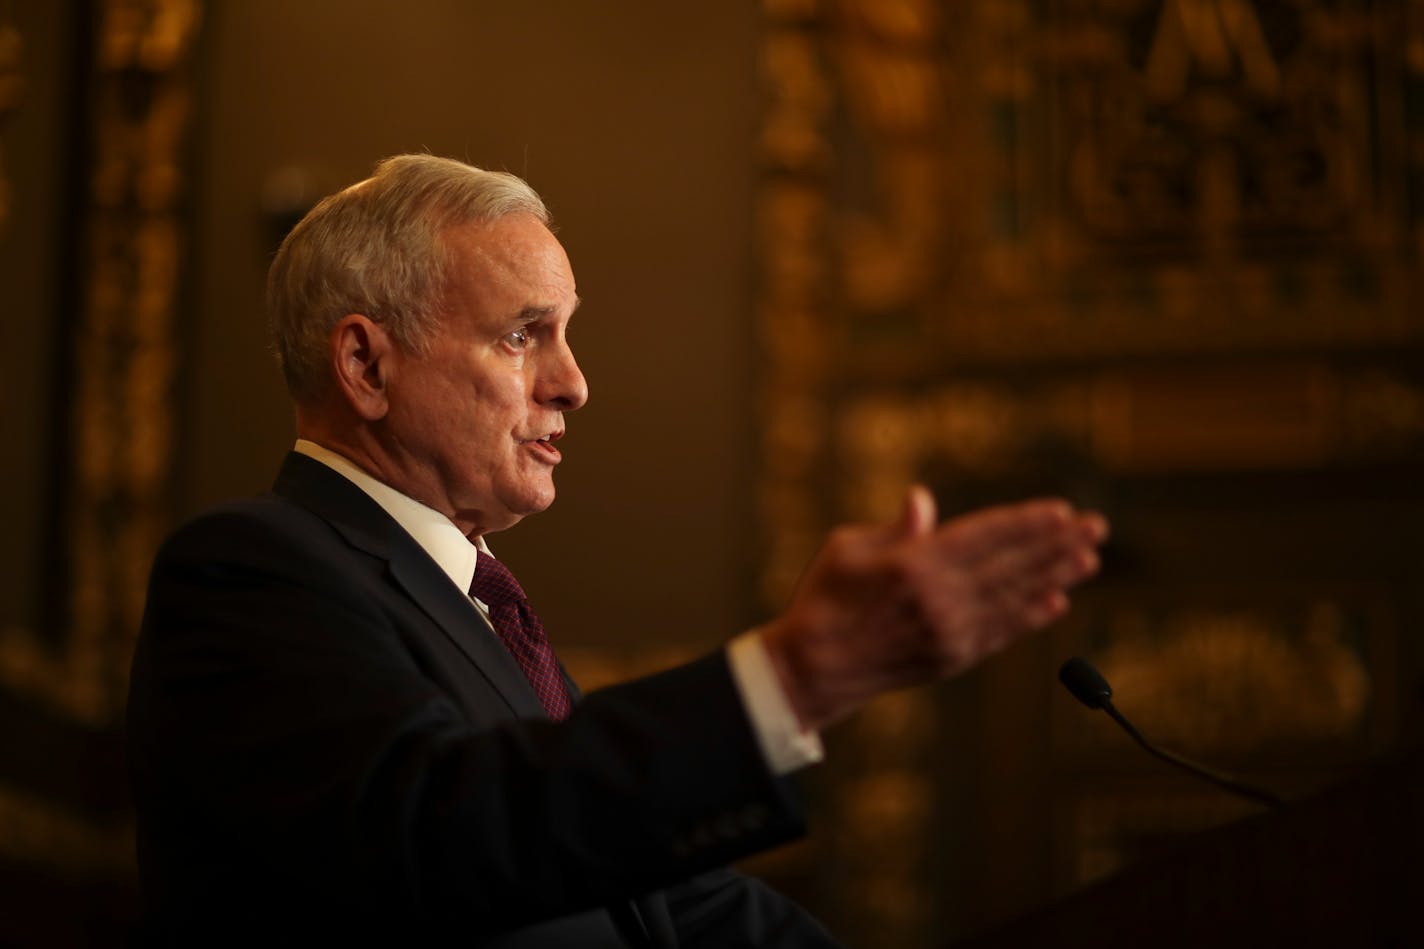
(1089, 687)
(1215, 777)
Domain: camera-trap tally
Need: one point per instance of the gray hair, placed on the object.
(377, 248)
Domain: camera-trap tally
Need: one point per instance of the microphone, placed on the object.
(1089, 687)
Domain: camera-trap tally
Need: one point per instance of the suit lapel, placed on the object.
(428, 586)
(366, 526)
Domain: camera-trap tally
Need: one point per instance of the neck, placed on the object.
(361, 443)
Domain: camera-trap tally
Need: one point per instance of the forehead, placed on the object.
(512, 263)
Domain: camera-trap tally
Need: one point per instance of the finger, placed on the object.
(1093, 527)
(1039, 612)
(918, 516)
(1027, 617)
(1016, 591)
(1011, 619)
(1033, 570)
(984, 533)
(919, 513)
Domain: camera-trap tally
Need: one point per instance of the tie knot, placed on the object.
(493, 583)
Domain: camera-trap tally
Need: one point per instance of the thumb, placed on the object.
(919, 514)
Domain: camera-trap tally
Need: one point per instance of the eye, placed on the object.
(519, 339)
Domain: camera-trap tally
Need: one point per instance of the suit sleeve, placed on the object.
(290, 751)
(725, 908)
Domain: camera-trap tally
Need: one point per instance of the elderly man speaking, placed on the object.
(346, 723)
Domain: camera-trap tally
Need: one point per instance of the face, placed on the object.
(476, 421)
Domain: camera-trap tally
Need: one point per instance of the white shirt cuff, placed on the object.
(786, 746)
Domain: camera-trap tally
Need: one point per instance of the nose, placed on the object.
(561, 383)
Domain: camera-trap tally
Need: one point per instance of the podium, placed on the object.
(1342, 868)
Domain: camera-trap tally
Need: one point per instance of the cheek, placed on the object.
(500, 386)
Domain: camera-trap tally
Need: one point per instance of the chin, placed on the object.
(535, 503)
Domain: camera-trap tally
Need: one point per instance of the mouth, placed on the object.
(543, 447)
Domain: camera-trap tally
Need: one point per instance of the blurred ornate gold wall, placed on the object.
(155, 153)
(107, 450)
(1161, 256)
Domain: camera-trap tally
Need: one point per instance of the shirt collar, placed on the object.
(436, 534)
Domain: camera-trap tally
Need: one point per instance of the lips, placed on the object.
(543, 446)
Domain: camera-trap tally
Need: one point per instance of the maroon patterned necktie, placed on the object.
(517, 625)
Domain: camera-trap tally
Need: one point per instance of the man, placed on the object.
(346, 724)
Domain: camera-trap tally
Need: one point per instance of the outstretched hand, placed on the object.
(888, 606)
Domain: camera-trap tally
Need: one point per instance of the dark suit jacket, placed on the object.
(327, 742)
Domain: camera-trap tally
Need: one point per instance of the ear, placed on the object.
(362, 354)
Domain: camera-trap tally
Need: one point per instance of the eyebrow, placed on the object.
(535, 312)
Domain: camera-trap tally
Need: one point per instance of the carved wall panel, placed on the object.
(1163, 256)
(12, 85)
(70, 682)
